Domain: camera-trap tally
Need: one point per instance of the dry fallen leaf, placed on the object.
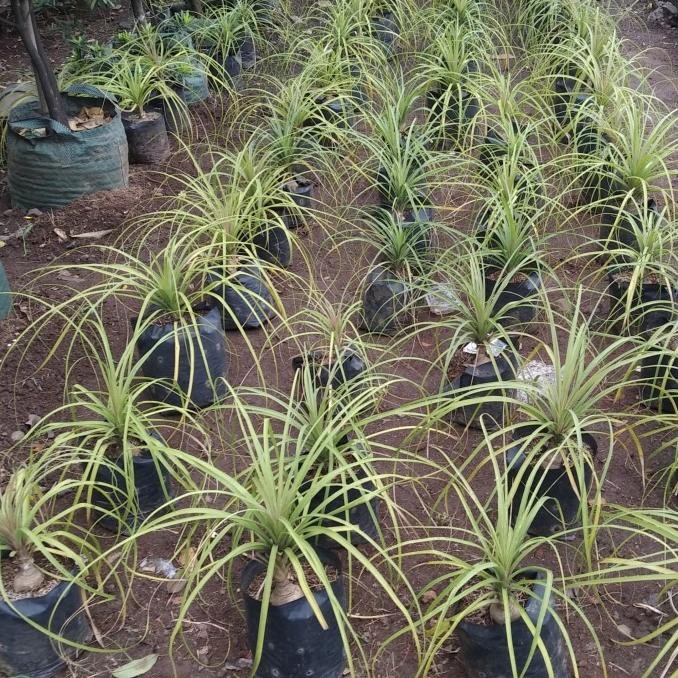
(61, 234)
(92, 234)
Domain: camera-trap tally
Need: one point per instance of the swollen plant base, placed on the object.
(28, 652)
(485, 650)
(295, 645)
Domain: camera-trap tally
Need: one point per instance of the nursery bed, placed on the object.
(214, 631)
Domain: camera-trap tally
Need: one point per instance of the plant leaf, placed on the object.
(136, 668)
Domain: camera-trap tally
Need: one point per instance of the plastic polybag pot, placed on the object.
(659, 375)
(385, 300)
(147, 138)
(485, 650)
(350, 367)
(48, 165)
(492, 374)
(152, 489)
(300, 191)
(5, 294)
(563, 505)
(28, 652)
(295, 644)
(188, 363)
(515, 304)
(493, 148)
(385, 29)
(247, 299)
(364, 515)
(248, 52)
(272, 244)
(655, 303)
(459, 109)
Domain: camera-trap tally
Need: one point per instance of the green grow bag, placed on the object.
(48, 165)
(5, 296)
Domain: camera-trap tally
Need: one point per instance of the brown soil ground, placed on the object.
(214, 640)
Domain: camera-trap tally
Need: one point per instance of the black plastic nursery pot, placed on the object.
(515, 304)
(248, 53)
(247, 300)
(295, 644)
(385, 29)
(563, 505)
(493, 148)
(300, 190)
(147, 138)
(491, 373)
(453, 114)
(364, 515)
(659, 375)
(386, 298)
(273, 245)
(152, 489)
(27, 652)
(48, 165)
(655, 303)
(617, 226)
(485, 648)
(350, 367)
(191, 361)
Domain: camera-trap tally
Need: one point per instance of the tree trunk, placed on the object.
(139, 11)
(48, 89)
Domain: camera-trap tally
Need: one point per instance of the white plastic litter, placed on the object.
(159, 566)
(496, 347)
(442, 299)
(536, 372)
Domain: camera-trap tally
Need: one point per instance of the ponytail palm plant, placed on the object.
(136, 82)
(503, 607)
(643, 266)
(399, 163)
(40, 538)
(270, 513)
(102, 431)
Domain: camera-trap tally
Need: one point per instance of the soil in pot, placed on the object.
(659, 375)
(295, 644)
(555, 481)
(152, 489)
(147, 138)
(185, 362)
(57, 607)
(471, 370)
(386, 301)
(485, 649)
(515, 304)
